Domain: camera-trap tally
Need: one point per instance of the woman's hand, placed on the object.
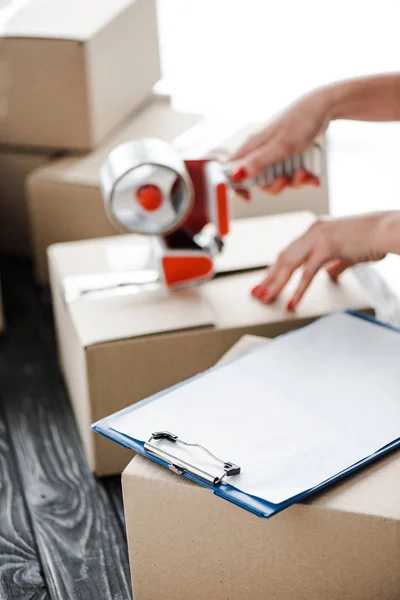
(289, 134)
(334, 244)
(371, 98)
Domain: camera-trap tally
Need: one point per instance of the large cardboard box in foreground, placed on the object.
(122, 345)
(65, 198)
(185, 542)
(14, 219)
(71, 70)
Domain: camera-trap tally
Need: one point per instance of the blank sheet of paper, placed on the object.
(292, 414)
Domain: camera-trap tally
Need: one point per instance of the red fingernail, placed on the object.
(285, 183)
(315, 182)
(256, 290)
(265, 295)
(290, 305)
(239, 175)
(307, 177)
(299, 177)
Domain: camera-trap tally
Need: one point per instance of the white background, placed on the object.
(257, 55)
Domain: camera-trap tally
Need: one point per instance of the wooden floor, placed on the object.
(61, 530)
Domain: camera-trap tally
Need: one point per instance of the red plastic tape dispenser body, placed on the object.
(149, 189)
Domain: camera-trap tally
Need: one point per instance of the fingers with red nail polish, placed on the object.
(290, 306)
(265, 295)
(299, 178)
(261, 293)
(310, 179)
(315, 182)
(277, 186)
(239, 175)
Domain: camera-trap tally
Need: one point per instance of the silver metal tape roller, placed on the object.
(146, 187)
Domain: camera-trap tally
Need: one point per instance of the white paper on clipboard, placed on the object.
(293, 413)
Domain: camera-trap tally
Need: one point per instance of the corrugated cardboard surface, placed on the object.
(65, 198)
(14, 219)
(118, 349)
(73, 70)
(343, 544)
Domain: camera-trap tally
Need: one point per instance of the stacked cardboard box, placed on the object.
(183, 539)
(74, 69)
(71, 71)
(15, 166)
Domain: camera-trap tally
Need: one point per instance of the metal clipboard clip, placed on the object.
(180, 466)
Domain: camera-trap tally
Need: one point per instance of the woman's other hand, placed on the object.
(334, 245)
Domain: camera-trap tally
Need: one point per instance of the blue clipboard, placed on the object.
(257, 506)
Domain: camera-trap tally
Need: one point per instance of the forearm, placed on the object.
(374, 98)
(388, 234)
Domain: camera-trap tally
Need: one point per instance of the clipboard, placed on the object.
(217, 480)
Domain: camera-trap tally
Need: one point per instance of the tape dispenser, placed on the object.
(149, 189)
(182, 206)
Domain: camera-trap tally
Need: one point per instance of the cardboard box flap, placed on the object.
(233, 306)
(146, 313)
(256, 242)
(155, 120)
(375, 490)
(59, 19)
(246, 344)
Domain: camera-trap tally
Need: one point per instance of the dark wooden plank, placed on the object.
(78, 535)
(20, 571)
(113, 488)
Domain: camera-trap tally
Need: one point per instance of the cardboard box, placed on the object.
(14, 219)
(65, 201)
(119, 347)
(72, 70)
(65, 198)
(342, 544)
